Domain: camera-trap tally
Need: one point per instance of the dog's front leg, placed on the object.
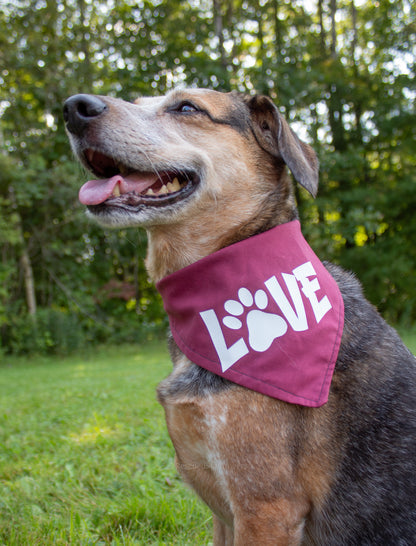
(234, 448)
(279, 524)
(223, 534)
(255, 530)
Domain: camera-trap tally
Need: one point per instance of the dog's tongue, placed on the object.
(95, 192)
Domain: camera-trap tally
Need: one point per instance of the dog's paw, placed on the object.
(263, 328)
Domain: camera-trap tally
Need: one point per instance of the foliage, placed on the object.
(342, 71)
(53, 331)
(85, 457)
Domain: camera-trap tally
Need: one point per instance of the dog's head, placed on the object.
(208, 160)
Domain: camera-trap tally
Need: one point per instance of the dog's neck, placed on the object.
(175, 246)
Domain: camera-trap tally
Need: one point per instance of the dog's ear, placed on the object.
(276, 137)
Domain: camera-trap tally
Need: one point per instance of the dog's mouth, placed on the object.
(120, 185)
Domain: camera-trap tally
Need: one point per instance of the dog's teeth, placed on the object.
(116, 191)
(175, 186)
(170, 187)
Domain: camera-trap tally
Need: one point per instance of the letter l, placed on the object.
(227, 355)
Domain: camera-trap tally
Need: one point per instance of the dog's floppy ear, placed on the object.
(276, 137)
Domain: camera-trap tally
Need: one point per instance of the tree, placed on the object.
(341, 71)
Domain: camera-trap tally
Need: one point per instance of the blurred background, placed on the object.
(341, 71)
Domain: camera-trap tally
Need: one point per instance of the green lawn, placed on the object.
(85, 458)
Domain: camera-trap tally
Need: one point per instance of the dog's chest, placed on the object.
(233, 444)
(197, 425)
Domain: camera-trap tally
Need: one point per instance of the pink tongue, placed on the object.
(95, 192)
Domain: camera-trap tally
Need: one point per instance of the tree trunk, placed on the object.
(86, 65)
(357, 102)
(333, 10)
(335, 102)
(27, 270)
(219, 31)
(322, 34)
(277, 30)
(25, 263)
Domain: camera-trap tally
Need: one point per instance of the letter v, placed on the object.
(227, 355)
(296, 317)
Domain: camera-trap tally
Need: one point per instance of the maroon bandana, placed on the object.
(263, 313)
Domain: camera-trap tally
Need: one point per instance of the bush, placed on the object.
(51, 331)
(60, 331)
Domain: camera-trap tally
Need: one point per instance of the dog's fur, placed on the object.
(271, 472)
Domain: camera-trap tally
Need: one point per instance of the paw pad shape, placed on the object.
(263, 328)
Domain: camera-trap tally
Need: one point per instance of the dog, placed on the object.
(203, 171)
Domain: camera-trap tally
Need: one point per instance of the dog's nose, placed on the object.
(80, 110)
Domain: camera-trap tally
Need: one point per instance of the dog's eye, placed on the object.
(186, 107)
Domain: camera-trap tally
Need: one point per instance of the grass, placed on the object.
(85, 458)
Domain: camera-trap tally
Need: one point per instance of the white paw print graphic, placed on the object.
(263, 328)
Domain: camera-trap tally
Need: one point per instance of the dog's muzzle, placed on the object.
(117, 185)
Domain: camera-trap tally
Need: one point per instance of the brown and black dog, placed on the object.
(201, 170)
